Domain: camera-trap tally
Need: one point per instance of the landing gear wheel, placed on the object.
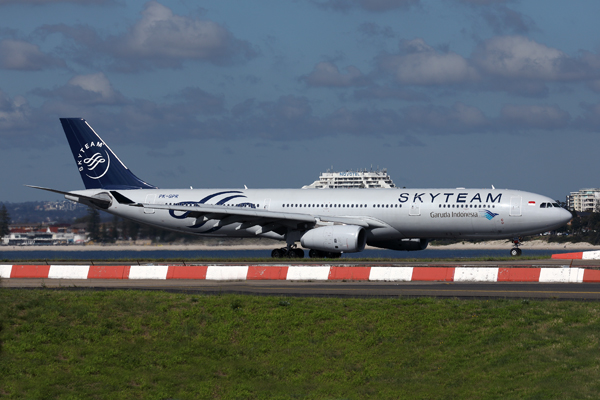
(515, 252)
(297, 253)
(278, 253)
(315, 254)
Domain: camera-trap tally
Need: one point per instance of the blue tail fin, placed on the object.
(100, 168)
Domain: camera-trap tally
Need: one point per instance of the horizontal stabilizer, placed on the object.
(103, 201)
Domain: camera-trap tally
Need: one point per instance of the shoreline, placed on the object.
(489, 245)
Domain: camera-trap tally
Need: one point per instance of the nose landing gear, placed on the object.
(516, 251)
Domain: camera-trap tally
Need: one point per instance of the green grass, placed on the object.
(60, 344)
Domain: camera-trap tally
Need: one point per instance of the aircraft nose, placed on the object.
(564, 216)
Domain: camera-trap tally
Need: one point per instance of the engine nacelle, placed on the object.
(336, 238)
(402, 244)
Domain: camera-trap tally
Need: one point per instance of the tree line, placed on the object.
(4, 221)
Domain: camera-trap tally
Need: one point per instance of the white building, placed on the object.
(585, 200)
(352, 180)
(49, 236)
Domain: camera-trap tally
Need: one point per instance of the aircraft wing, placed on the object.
(251, 217)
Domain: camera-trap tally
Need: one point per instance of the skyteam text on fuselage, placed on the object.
(329, 222)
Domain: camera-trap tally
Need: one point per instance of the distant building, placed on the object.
(352, 180)
(65, 205)
(30, 235)
(585, 200)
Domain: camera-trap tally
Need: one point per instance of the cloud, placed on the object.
(420, 64)
(368, 5)
(327, 74)
(22, 126)
(512, 64)
(535, 117)
(160, 39)
(12, 111)
(517, 57)
(24, 56)
(92, 89)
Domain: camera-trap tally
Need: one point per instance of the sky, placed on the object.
(270, 93)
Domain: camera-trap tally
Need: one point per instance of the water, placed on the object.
(41, 254)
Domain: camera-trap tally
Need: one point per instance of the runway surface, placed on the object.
(564, 291)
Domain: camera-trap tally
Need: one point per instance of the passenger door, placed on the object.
(150, 199)
(515, 206)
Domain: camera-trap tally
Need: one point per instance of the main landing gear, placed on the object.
(516, 251)
(284, 252)
(294, 252)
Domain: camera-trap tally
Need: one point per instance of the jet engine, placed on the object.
(336, 238)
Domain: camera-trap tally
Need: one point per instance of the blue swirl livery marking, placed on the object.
(195, 203)
(203, 201)
(487, 214)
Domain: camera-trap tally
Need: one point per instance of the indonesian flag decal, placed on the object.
(531, 203)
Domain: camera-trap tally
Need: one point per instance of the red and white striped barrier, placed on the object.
(582, 255)
(302, 273)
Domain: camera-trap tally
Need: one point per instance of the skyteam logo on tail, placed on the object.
(93, 160)
(487, 214)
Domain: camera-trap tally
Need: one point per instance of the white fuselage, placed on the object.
(402, 213)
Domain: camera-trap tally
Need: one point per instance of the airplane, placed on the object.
(328, 222)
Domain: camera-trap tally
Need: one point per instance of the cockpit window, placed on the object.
(556, 205)
(543, 205)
